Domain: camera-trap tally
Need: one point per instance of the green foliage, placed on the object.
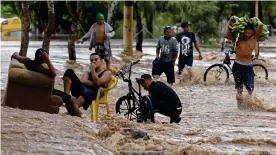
(270, 9)
(206, 16)
(7, 10)
(203, 18)
(160, 21)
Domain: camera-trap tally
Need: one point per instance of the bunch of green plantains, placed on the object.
(237, 25)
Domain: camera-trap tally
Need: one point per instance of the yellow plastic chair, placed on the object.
(102, 99)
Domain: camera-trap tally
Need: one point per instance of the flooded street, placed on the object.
(211, 124)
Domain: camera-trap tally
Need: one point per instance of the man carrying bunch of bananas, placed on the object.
(245, 33)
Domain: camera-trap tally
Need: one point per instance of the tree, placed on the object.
(203, 18)
(269, 12)
(110, 14)
(128, 21)
(149, 10)
(24, 14)
(50, 25)
(75, 15)
(139, 28)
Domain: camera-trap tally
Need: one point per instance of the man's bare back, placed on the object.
(244, 49)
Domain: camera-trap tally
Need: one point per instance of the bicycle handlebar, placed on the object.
(135, 62)
(125, 69)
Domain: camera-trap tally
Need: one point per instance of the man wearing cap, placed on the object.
(186, 40)
(99, 35)
(166, 54)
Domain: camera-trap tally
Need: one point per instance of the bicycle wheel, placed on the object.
(258, 61)
(126, 106)
(260, 71)
(216, 74)
(148, 110)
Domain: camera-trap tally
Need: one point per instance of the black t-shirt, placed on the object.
(163, 96)
(186, 40)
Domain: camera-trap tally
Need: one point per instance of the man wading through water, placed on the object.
(166, 54)
(243, 68)
(186, 40)
(99, 35)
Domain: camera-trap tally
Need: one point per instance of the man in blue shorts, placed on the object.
(243, 67)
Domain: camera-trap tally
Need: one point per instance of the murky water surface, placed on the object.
(211, 121)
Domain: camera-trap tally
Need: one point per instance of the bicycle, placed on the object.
(133, 105)
(217, 70)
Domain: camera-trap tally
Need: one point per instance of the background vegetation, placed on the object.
(206, 16)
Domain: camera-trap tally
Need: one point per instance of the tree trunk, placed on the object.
(74, 28)
(149, 17)
(110, 19)
(128, 22)
(50, 25)
(139, 28)
(271, 22)
(25, 26)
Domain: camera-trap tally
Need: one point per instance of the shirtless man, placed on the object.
(243, 68)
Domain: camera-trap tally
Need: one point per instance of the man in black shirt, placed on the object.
(163, 98)
(186, 40)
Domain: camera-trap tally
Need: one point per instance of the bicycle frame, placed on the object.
(132, 91)
(226, 65)
(227, 52)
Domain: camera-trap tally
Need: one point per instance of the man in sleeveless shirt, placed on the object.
(83, 90)
(99, 35)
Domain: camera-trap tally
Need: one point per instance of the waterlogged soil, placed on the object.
(212, 122)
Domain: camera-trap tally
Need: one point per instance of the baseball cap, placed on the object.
(185, 23)
(167, 28)
(100, 16)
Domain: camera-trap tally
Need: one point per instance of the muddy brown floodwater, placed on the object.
(211, 124)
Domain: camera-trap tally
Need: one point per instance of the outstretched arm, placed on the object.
(20, 58)
(87, 35)
(226, 30)
(259, 29)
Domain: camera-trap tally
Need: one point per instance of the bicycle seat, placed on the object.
(140, 80)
